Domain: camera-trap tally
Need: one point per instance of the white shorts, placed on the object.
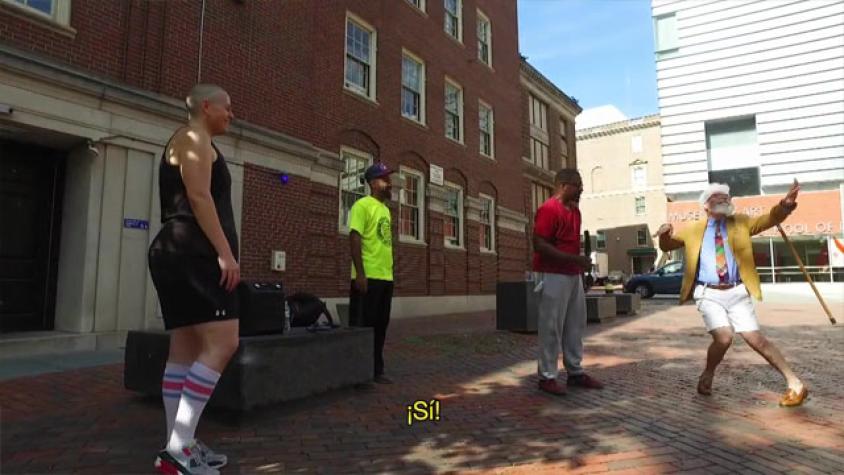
(726, 308)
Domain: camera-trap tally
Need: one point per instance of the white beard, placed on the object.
(726, 209)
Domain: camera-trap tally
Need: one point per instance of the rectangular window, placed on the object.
(539, 138)
(453, 225)
(360, 57)
(419, 4)
(413, 88)
(487, 128)
(639, 177)
(484, 39)
(454, 19)
(352, 186)
(55, 10)
(742, 181)
(601, 240)
(564, 142)
(538, 114)
(733, 154)
(641, 208)
(411, 206)
(539, 153)
(665, 32)
(641, 237)
(636, 144)
(487, 223)
(539, 195)
(453, 111)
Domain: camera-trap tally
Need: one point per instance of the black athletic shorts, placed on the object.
(189, 289)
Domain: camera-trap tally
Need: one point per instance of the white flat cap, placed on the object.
(714, 189)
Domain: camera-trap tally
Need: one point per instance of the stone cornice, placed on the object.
(41, 69)
(619, 127)
(535, 77)
(531, 171)
(511, 220)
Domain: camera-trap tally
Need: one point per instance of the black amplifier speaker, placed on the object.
(261, 308)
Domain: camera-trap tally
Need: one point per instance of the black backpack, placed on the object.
(306, 310)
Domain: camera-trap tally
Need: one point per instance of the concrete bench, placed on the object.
(600, 308)
(266, 369)
(627, 304)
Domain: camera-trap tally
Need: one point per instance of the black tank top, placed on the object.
(180, 233)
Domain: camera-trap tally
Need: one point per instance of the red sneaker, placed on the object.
(584, 381)
(551, 386)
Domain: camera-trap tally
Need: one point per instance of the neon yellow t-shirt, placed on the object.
(371, 219)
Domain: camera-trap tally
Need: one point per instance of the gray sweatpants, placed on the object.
(562, 323)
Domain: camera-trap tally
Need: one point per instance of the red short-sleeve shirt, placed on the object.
(561, 227)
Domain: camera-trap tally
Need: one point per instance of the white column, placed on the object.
(80, 241)
(773, 264)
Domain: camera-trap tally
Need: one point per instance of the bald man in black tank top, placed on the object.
(194, 266)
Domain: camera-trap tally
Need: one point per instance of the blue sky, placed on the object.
(599, 51)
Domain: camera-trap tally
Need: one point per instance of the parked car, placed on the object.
(615, 277)
(665, 280)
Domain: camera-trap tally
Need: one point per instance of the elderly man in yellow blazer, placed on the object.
(721, 277)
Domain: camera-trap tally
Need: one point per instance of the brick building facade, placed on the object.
(320, 90)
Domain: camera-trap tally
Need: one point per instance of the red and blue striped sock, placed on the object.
(198, 387)
(171, 391)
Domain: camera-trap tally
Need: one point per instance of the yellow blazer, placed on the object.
(740, 228)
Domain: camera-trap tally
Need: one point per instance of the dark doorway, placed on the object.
(31, 187)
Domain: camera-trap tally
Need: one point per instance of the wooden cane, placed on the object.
(806, 274)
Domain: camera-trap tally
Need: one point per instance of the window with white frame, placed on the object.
(487, 127)
(601, 240)
(484, 39)
(411, 205)
(419, 4)
(360, 57)
(665, 32)
(454, 19)
(453, 224)
(641, 237)
(641, 208)
(538, 133)
(55, 10)
(412, 87)
(352, 185)
(639, 177)
(453, 111)
(487, 236)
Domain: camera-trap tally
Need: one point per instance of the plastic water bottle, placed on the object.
(286, 317)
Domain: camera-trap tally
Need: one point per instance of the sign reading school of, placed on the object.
(817, 214)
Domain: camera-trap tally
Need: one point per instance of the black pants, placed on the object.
(373, 310)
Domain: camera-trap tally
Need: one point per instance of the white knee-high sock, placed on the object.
(171, 392)
(198, 387)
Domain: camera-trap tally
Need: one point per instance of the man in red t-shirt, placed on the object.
(559, 267)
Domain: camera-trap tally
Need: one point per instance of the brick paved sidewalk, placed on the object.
(648, 420)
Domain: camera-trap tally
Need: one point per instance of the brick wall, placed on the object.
(283, 65)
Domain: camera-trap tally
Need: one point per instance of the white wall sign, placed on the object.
(437, 176)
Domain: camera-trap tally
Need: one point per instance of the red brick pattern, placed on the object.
(282, 63)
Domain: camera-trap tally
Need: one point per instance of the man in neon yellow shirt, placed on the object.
(371, 237)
